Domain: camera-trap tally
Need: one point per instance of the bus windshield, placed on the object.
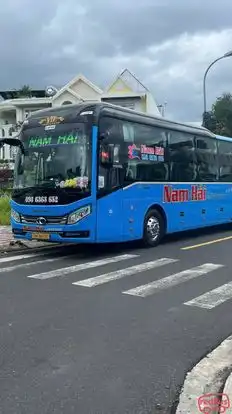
(55, 158)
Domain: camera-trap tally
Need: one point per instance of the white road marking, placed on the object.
(21, 257)
(28, 264)
(172, 280)
(82, 266)
(215, 297)
(119, 274)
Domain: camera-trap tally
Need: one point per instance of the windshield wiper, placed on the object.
(45, 184)
(52, 177)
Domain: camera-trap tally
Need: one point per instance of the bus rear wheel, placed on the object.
(154, 229)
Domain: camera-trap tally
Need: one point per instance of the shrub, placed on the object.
(5, 192)
(4, 211)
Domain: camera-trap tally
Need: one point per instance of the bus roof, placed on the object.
(70, 110)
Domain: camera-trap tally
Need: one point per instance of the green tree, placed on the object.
(222, 111)
(24, 92)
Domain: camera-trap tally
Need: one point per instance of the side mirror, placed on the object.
(13, 142)
(107, 154)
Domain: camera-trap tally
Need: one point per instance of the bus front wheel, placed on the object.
(153, 230)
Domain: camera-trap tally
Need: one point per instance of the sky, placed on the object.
(167, 44)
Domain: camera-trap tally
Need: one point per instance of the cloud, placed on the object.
(167, 44)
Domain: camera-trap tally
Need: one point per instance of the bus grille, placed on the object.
(49, 219)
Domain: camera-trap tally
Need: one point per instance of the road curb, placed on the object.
(228, 388)
(208, 376)
(19, 247)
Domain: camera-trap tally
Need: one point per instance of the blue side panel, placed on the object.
(181, 215)
(215, 209)
(136, 201)
(119, 216)
(110, 218)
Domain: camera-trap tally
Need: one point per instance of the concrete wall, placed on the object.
(64, 97)
(85, 91)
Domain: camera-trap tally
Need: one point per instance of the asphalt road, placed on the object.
(101, 346)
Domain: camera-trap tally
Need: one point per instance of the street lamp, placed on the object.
(228, 54)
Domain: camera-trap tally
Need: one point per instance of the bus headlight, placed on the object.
(79, 214)
(15, 216)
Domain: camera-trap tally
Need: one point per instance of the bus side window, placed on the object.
(183, 166)
(128, 132)
(207, 163)
(145, 153)
(110, 128)
(225, 161)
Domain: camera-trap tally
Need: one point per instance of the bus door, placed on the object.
(109, 207)
(136, 199)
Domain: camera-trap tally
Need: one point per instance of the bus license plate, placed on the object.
(41, 236)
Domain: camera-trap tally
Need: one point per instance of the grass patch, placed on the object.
(4, 211)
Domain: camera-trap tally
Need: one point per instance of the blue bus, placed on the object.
(100, 173)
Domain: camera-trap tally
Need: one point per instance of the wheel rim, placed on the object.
(153, 228)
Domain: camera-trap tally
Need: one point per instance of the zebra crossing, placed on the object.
(119, 274)
(83, 266)
(172, 280)
(125, 268)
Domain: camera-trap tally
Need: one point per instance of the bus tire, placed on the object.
(153, 229)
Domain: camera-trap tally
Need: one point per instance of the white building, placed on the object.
(126, 90)
(79, 89)
(12, 113)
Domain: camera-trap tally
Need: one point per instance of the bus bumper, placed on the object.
(54, 237)
(80, 232)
